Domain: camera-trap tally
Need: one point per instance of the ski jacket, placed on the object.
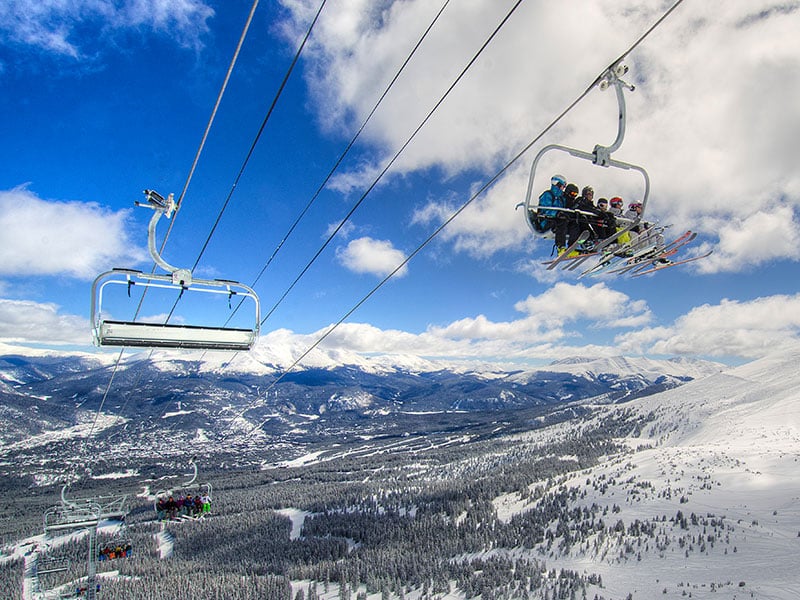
(552, 197)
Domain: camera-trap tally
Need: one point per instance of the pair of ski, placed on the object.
(574, 261)
(650, 259)
(640, 258)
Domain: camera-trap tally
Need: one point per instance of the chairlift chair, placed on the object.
(69, 518)
(47, 565)
(205, 489)
(600, 156)
(108, 332)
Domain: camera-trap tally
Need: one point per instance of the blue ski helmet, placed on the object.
(558, 180)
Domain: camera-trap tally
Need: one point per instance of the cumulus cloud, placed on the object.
(488, 224)
(78, 239)
(549, 325)
(752, 240)
(565, 302)
(60, 27)
(717, 147)
(376, 257)
(744, 330)
(33, 322)
(730, 328)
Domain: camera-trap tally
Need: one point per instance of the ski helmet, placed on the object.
(558, 180)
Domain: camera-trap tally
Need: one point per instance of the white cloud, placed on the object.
(33, 322)
(78, 239)
(345, 229)
(540, 333)
(376, 257)
(564, 302)
(713, 119)
(60, 27)
(753, 240)
(728, 330)
(731, 328)
(488, 224)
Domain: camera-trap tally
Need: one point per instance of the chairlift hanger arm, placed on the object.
(164, 207)
(194, 473)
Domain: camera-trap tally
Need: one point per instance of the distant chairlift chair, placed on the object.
(204, 489)
(108, 332)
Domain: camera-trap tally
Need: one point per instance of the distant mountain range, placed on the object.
(639, 478)
(167, 400)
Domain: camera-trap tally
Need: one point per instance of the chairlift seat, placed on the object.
(154, 335)
(52, 565)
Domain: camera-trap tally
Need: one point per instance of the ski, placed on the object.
(565, 254)
(626, 263)
(669, 250)
(641, 258)
(673, 264)
(653, 253)
(602, 244)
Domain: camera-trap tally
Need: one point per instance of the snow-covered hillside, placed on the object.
(707, 504)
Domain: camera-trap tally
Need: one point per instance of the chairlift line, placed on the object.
(110, 332)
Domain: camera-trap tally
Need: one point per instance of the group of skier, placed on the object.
(114, 551)
(567, 214)
(183, 506)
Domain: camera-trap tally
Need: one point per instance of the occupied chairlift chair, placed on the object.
(601, 155)
(71, 516)
(76, 515)
(154, 335)
(204, 489)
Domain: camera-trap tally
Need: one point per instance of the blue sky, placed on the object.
(102, 100)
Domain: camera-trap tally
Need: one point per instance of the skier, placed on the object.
(588, 217)
(544, 220)
(607, 225)
(569, 226)
(616, 209)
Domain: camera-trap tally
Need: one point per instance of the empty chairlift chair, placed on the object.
(113, 332)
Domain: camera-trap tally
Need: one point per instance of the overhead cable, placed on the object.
(392, 161)
(258, 135)
(455, 214)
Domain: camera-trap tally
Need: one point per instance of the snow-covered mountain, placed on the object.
(691, 492)
(162, 401)
(711, 478)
